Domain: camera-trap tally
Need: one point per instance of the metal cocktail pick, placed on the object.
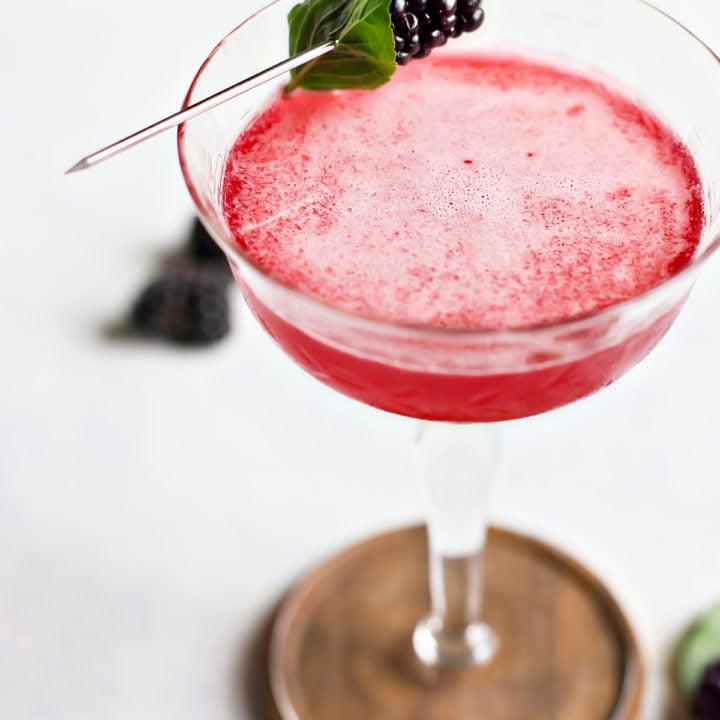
(202, 105)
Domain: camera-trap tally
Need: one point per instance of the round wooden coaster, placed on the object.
(341, 646)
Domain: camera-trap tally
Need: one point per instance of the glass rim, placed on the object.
(236, 255)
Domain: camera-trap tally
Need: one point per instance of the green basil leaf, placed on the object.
(365, 54)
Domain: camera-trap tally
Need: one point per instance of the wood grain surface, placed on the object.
(341, 646)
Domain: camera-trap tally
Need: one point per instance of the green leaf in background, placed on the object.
(365, 54)
(699, 648)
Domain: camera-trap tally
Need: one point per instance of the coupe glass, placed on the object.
(461, 382)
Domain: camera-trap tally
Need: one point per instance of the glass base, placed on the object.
(342, 645)
(476, 646)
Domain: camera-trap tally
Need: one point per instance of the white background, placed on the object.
(154, 503)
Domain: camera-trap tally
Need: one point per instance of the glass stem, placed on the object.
(455, 463)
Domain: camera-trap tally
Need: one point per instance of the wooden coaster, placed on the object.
(341, 647)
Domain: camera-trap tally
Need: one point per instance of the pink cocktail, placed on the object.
(513, 195)
(506, 227)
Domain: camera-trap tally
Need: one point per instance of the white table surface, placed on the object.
(154, 503)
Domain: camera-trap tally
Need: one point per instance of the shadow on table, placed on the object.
(251, 683)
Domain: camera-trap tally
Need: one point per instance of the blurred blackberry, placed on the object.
(187, 304)
(420, 26)
(201, 247)
(706, 701)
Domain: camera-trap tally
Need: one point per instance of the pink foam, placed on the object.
(469, 191)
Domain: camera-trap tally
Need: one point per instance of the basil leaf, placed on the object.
(365, 54)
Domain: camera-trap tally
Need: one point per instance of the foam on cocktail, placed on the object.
(471, 192)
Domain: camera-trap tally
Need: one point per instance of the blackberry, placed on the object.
(203, 249)
(200, 244)
(706, 701)
(187, 304)
(420, 26)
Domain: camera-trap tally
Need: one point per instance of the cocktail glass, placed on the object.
(460, 383)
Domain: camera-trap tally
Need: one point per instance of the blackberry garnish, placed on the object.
(201, 246)
(420, 26)
(202, 249)
(706, 701)
(187, 304)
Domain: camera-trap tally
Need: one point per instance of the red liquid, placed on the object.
(471, 193)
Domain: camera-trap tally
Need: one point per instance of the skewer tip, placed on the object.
(81, 165)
